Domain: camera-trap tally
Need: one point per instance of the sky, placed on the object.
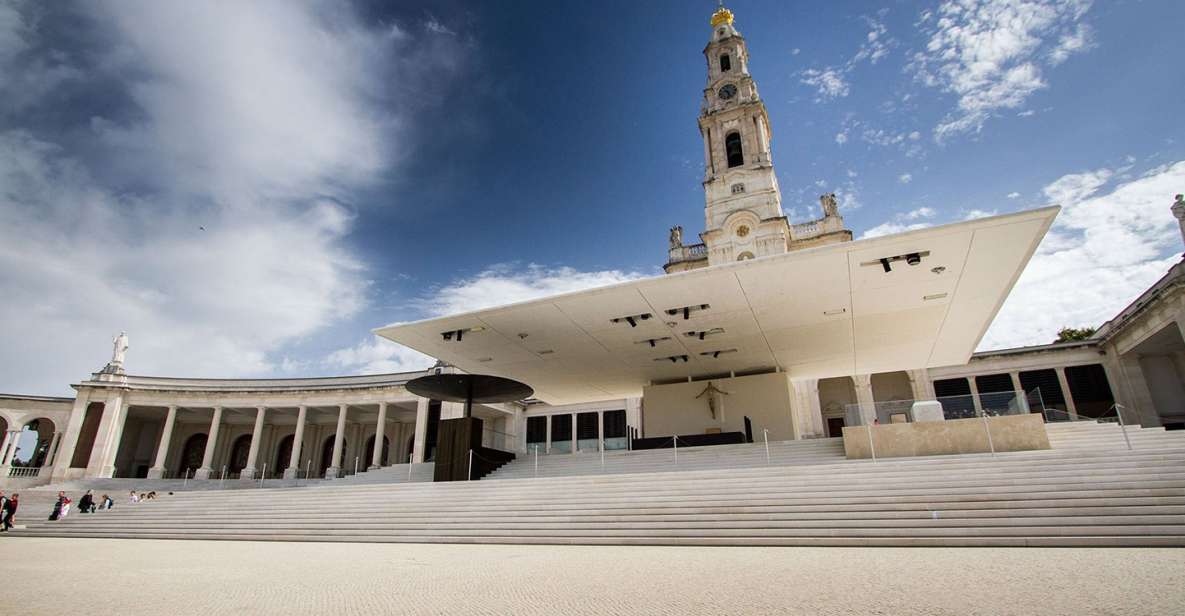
(248, 189)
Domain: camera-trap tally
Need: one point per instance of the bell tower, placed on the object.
(743, 206)
(743, 216)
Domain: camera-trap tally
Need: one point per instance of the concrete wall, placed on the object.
(928, 438)
(674, 409)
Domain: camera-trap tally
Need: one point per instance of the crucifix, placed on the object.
(715, 399)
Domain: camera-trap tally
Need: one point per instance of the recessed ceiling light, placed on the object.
(935, 296)
(546, 351)
(831, 313)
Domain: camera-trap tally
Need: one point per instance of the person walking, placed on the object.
(3, 508)
(10, 512)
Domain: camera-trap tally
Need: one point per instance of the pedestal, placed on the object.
(201, 473)
(291, 473)
(454, 439)
(332, 472)
(247, 474)
(156, 473)
(927, 410)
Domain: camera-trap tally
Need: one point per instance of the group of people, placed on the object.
(8, 507)
(61, 507)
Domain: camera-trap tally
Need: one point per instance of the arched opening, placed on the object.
(745, 256)
(383, 455)
(32, 443)
(86, 435)
(4, 425)
(283, 454)
(191, 454)
(835, 396)
(238, 454)
(725, 63)
(732, 146)
(327, 453)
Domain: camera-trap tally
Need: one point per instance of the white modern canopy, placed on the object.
(918, 299)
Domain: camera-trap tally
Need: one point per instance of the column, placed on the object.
(251, 469)
(421, 442)
(115, 411)
(920, 384)
(53, 449)
(298, 436)
(573, 433)
(864, 398)
(708, 170)
(600, 430)
(73, 428)
(336, 463)
(11, 438)
(119, 412)
(547, 440)
(380, 431)
(211, 442)
(1064, 383)
(975, 396)
(809, 412)
(162, 450)
(1021, 400)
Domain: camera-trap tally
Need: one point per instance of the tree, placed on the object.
(1074, 334)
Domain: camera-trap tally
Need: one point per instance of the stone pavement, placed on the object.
(100, 576)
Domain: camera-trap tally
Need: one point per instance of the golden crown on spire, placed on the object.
(721, 16)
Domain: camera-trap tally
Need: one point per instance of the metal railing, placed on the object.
(994, 404)
(1060, 416)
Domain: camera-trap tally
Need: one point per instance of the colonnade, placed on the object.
(253, 469)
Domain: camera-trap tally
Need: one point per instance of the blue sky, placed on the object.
(249, 188)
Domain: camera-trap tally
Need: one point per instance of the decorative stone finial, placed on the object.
(1179, 212)
(676, 237)
(830, 205)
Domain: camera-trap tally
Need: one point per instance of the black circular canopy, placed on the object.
(469, 388)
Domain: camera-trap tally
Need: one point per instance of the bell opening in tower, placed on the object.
(732, 146)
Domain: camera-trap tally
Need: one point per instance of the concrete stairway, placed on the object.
(1079, 495)
(395, 473)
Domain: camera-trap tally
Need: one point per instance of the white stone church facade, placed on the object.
(122, 425)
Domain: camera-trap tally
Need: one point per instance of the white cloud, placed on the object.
(988, 53)
(1026, 113)
(795, 51)
(974, 214)
(1013, 195)
(504, 284)
(892, 227)
(497, 285)
(1102, 252)
(922, 212)
(377, 355)
(1076, 186)
(905, 178)
(841, 137)
(1070, 43)
(829, 83)
(208, 217)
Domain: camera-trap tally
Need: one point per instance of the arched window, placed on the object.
(725, 63)
(745, 256)
(239, 453)
(732, 147)
(192, 454)
(283, 454)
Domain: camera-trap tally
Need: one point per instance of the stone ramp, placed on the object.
(1073, 496)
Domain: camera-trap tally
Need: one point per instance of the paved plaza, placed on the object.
(96, 576)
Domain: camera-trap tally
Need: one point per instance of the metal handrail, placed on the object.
(1100, 419)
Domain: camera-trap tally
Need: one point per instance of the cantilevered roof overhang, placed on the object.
(851, 308)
